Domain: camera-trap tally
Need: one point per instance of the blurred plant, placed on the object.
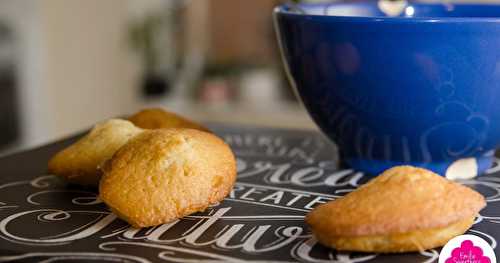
(142, 38)
(159, 34)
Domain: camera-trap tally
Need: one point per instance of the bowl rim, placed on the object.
(286, 10)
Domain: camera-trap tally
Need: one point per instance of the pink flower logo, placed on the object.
(467, 253)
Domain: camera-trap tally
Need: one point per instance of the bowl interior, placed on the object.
(387, 8)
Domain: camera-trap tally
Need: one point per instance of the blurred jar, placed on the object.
(9, 130)
(260, 87)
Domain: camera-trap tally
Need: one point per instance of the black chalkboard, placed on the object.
(282, 175)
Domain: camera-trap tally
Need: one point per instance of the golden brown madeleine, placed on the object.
(165, 174)
(157, 118)
(404, 209)
(80, 162)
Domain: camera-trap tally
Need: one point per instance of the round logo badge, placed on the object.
(467, 249)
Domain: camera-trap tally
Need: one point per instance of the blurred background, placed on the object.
(67, 64)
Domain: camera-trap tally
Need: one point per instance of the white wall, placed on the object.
(88, 71)
(75, 65)
(22, 16)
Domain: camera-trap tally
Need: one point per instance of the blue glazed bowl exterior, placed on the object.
(423, 91)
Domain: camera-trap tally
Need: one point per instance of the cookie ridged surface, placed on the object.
(157, 118)
(395, 211)
(161, 175)
(80, 162)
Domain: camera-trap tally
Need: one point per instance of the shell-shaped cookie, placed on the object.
(403, 203)
(165, 174)
(80, 162)
(157, 118)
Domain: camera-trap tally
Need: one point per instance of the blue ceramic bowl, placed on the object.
(419, 88)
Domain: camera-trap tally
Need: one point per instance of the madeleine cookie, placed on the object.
(165, 174)
(157, 118)
(80, 162)
(404, 209)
